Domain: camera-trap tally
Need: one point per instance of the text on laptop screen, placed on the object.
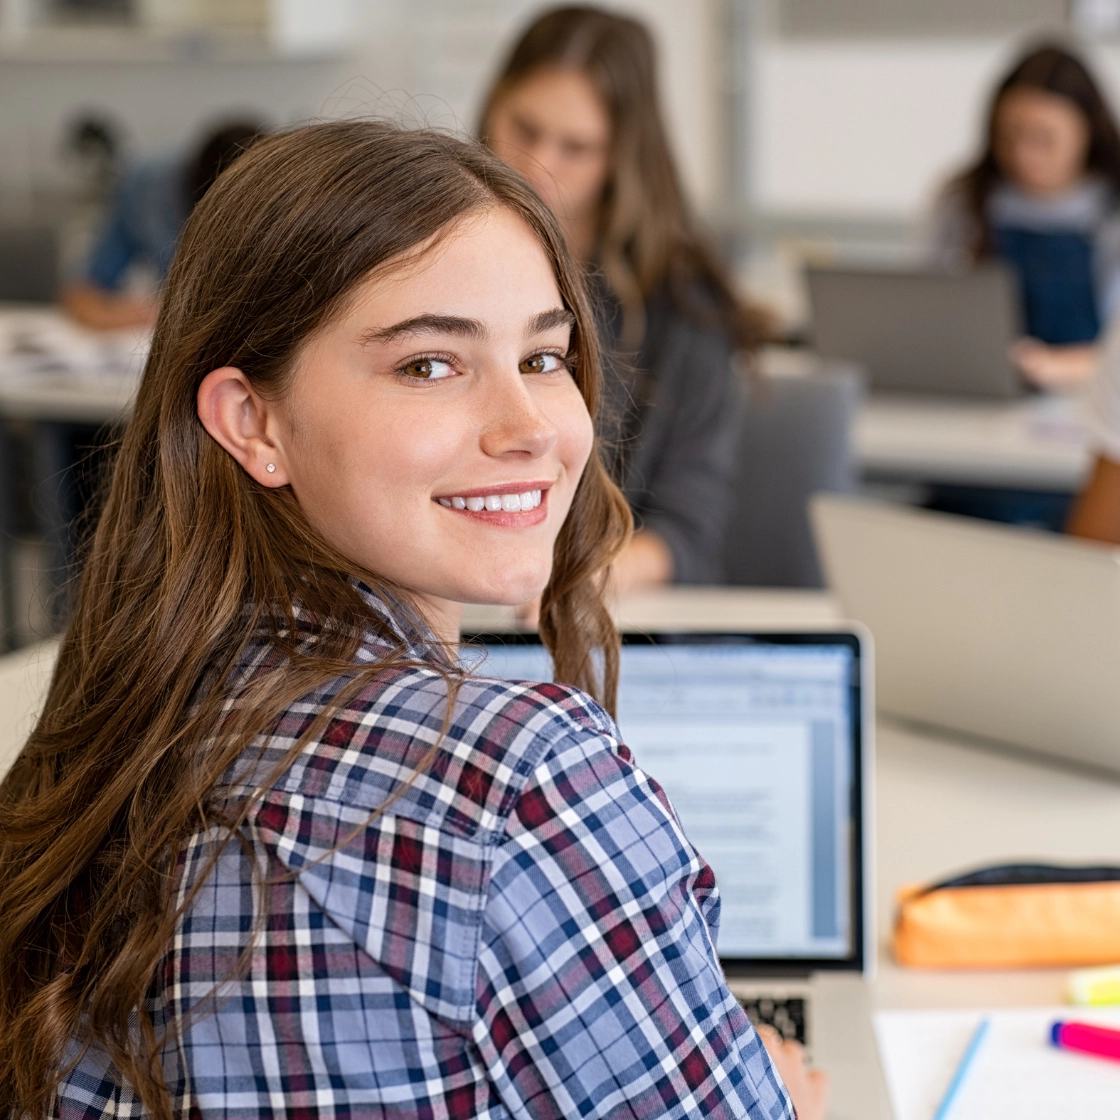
(753, 744)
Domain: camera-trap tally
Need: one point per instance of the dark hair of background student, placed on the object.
(220, 148)
(1053, 70)
(647, 238)
(191, 556)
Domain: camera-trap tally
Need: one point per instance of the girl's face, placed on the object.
(554, 129)
(432, 433)
(1041, 141)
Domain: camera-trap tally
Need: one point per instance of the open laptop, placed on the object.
(763, 742)
(920, 330)
(998, 632)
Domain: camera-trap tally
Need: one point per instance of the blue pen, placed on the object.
(946, 1104)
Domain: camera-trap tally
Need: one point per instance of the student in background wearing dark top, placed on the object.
(146, 212)
(1045, 197)
(575, 110)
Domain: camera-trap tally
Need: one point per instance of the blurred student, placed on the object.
(575, 111)
(147, 211)
(1096, 513)
(1045, 197)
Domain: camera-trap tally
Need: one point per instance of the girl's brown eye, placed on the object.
(427, 369)
(541, 363)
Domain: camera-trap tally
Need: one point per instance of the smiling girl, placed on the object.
(270, 851)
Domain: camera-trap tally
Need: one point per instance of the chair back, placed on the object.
(28, 263)
(796, 441)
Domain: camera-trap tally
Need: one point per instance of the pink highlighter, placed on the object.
(1086, 1039)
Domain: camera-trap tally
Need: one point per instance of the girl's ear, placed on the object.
(238, 419)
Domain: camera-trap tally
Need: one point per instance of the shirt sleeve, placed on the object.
(116, 247)
(600, 993)
(687, 495)
(1104, 396)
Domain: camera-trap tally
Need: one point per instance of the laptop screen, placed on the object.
(756, 740)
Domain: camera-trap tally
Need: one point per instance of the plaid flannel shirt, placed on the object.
(524, 931)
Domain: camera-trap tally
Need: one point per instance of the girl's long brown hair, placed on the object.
(191, 557)
(1048, 69)
(647, 238)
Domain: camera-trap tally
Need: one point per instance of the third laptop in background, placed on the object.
(998, 632)
(920, 330)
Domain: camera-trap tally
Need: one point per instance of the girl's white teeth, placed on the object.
(506, 503)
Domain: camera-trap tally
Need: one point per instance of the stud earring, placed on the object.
(271, 468)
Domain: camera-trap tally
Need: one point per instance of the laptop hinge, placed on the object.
(754, 971)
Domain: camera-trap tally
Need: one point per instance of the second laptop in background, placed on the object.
(920, 330)
(1002, 633)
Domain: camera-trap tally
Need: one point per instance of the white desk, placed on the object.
(51, 369)
(1039, 443)
(943, 807)
(695, 608)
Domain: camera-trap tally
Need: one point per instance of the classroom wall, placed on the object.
(162, 105)
(836, 128)
(868, 129)
(425, 60)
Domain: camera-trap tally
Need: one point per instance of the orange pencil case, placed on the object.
(1013, 916)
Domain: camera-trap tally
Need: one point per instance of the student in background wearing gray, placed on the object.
(1044, 197)
(575, 111)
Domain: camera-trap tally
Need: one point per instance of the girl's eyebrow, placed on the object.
(464, 328)
(426, 324)
(547, 320)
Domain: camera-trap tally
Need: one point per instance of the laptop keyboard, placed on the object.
(786, 1016)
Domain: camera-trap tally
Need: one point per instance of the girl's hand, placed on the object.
(808, 1088)
(1054, 367)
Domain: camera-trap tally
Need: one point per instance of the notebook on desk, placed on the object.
(763, 743)
(1014, 1075)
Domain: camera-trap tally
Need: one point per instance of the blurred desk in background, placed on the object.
(59, 384)
(690, 608)
(1036, 443)
(52, 370)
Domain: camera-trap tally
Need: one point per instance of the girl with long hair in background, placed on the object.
(1044, 196)
(575, 110)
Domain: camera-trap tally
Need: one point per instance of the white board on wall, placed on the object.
(872, 128)
(867, 128)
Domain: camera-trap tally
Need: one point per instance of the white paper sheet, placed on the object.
(1016, 1074)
